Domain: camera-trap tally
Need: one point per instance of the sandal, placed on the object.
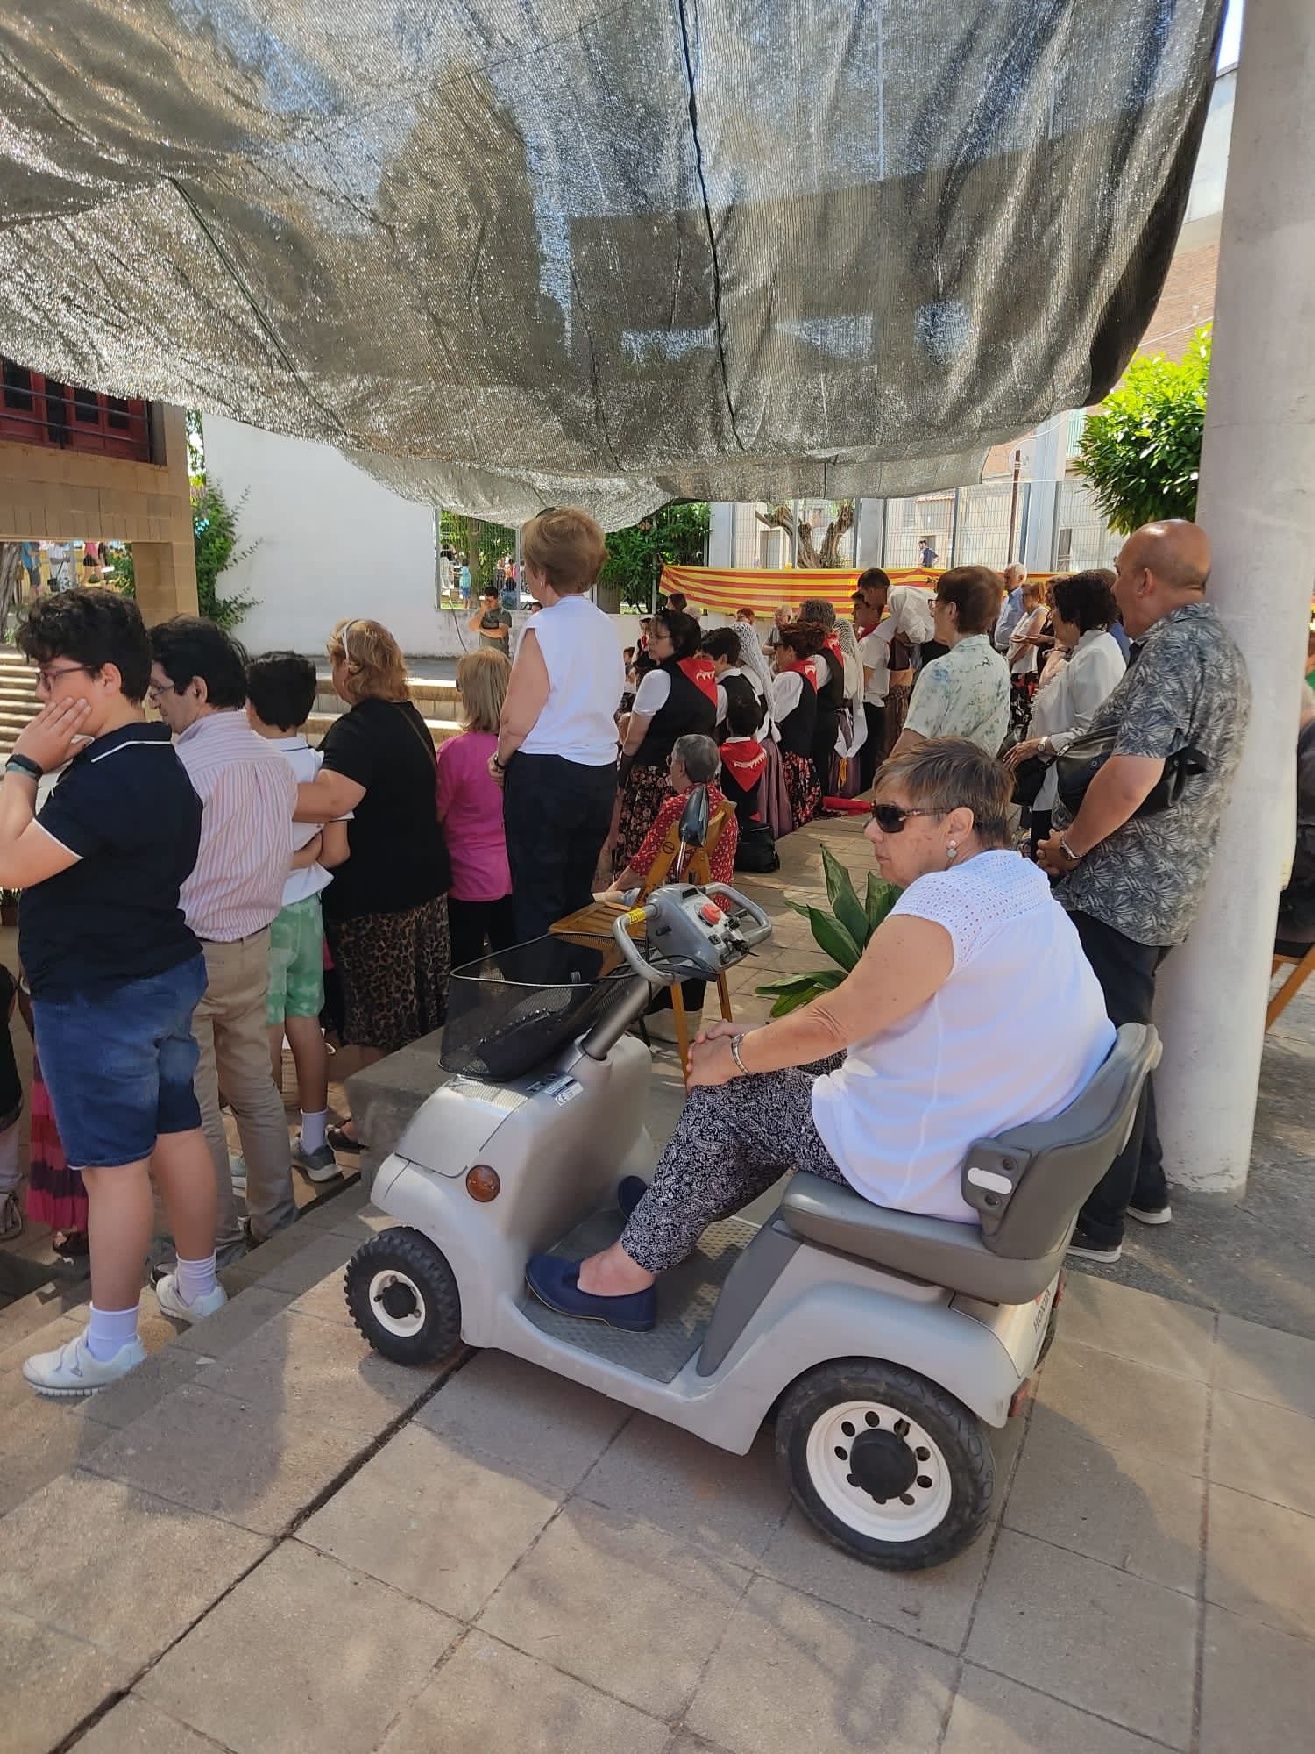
(341, 1140)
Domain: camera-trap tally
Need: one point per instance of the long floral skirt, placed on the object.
(801, 784)
(642, 796)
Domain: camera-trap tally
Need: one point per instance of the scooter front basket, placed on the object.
(509, 1012)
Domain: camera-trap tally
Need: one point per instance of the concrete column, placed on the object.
(721, 527)
(165, 574)
(1257, 502)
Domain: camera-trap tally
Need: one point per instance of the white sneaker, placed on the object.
(71, 1369)
(172, 1302)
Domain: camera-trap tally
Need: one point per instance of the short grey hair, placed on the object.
(699, 757)
(818, 611)
(950, 773)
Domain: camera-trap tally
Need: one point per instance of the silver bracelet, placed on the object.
(736, 1056)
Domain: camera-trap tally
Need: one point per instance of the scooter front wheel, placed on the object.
(403, 1296)
(885, 1463)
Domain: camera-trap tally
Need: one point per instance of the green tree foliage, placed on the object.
(483, 544)
(1141, 449)
(841, 934)
(678, 535)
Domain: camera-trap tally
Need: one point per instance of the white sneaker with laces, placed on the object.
(172, 1303)
(72, 1370)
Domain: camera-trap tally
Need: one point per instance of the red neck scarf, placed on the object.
(745, 760)
(701, 673)
(832, 645)
(805, 669)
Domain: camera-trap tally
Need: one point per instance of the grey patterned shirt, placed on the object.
(1189, 687)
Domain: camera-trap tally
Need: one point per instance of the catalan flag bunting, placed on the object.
(726, 589)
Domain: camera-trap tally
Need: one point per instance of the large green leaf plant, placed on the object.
(842, 934)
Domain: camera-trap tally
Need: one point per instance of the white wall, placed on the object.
(328, 541)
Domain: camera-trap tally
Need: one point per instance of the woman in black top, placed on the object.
(677, 699)
(799, 675)
(817, 612)
(385, 913)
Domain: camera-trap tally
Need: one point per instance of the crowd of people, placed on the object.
(200, 888)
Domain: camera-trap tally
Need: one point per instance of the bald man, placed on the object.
(1011, 610)
(1132, 882)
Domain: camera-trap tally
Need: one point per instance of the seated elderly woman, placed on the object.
(694, 761)
(914, 1071)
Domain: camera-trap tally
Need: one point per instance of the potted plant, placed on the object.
(842, 934)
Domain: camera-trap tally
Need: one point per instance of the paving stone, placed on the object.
(134, 1727)
(432, 1522)
(656, 1473)
(631, 1609)
(329, 1214)
(1266, 1364)
(1122, 1506)
(487, 1694)
(55, 1332)
(1101, 1639)
(1127, 1406)
(1260, 1561)
(50, 1683)
(40, 1439)
(934, 1605)
(792, 1672)
(116, 1567)
(326, 1300)
(547, 1428)
(1138, 1325)
(995, 1716)
(303, 1657)
(1262, 1449)
(259, 1467)
(1257, 1689)
(130, 1397)
(235, 1322)
(315, 1371)
(320, 1253)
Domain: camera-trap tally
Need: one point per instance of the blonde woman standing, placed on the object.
(470, 809)
(385, 913)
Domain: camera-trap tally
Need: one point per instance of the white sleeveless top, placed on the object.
(1017, 1030)
(586, 679)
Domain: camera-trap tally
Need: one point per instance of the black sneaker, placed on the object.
(1086, 1248)
(1152, 1214)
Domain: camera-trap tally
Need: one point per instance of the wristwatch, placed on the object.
(500, 765)
(25, 765)
(1070, 856)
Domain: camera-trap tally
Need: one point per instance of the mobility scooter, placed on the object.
(881, 1342)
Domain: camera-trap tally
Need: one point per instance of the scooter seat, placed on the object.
(936, 1250)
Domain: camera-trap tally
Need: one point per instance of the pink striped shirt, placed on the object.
(248, 793)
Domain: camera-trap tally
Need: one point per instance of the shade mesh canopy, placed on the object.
(510, 253)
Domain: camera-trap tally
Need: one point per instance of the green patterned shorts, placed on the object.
(296, 962)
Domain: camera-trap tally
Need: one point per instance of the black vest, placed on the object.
(686, 712)
(797, 728)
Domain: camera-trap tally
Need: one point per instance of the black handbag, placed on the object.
(1084, 758)
(1029, 777)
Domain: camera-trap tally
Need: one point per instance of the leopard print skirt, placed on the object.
(394, 970)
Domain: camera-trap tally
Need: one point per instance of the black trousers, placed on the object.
(557, 814)
(473, 926)
(1126, 972)
(869, 756)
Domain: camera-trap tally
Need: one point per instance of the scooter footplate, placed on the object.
(687, 1296)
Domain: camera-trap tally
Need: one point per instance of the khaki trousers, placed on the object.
(231, 1033)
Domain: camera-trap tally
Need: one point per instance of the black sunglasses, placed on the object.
(890, 818)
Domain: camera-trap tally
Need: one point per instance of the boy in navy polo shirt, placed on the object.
(115, 971)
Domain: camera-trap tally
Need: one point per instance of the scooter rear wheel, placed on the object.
(885, 1463)
(403, 1296)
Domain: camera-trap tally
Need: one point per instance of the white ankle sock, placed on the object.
(110, 1329)
(195, 1278)
(313, 1129)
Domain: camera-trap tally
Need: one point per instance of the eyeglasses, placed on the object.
(890, 818)
(48, 678)
(156, 689)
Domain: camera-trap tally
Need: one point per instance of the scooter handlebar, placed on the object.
(760, 928)
(629, 949)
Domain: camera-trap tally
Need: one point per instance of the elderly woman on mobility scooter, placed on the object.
(910, 1072)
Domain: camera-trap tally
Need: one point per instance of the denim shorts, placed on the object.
(296, 962)
(119, 1065)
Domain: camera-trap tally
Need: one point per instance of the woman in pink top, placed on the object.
(470, 809)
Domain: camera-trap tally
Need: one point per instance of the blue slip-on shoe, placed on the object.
(630, 1193)
(556, 1283)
